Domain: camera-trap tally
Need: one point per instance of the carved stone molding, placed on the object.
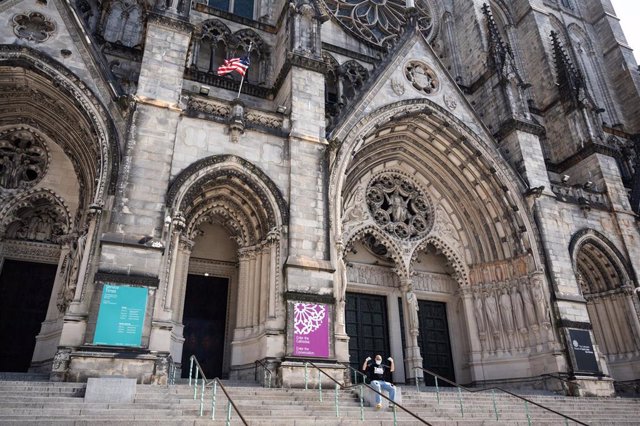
(372, 275)
(33, 26)
(30, 251)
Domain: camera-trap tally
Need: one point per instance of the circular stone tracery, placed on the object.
(421, 77)
(398, 206)
(23, 159)
(379, 21)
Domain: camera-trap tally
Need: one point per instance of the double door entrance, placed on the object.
(367, 324)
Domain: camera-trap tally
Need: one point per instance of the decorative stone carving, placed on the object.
(33, 26)
(422, 77)
(23, 159)
(60, 365)
(518, 309)
(69, 271)
(450, 102)
(379, 22)
(372, 275)
(399, 207)
(397, 86)
(36, 216)
(355, 210)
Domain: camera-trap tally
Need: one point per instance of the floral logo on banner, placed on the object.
(308, 317)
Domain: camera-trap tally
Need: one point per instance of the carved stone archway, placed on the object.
(231, 192)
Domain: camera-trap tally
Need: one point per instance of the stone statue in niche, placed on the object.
(507, 310)
(477, 304)
(538, 296)
(518, 309)
(69, 271)
(491, 308)
(528, 305)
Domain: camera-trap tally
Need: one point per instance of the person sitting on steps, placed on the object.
(377, 373)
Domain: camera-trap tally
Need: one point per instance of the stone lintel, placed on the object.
(309, 297)
(303, 262)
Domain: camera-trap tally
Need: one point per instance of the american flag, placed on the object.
(239, 65)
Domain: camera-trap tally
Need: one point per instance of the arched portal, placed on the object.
(614, 312)
(58, 164)
(451, 214)
(228, 219)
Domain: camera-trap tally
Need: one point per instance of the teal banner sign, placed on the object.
(121, 316)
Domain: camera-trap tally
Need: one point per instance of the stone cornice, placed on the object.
(514, 124)
(170, 23)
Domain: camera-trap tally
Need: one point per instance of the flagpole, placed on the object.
(242, 79)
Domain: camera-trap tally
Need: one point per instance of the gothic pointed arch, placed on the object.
(38, 215)
(55, 102)
(240, 195)
(606, 281)
(460, 170)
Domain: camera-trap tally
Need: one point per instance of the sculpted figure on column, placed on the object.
(518, 308)
(491, 308)
(507, 309)
(528, 303)
(412, 301)
(477, 303)
(538, 296)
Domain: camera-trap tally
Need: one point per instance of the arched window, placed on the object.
(210, 46)
(244, 8)
(123, 23)
(567, 4)
(258, 68)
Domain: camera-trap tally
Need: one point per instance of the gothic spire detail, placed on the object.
(500, 50)
(569, 78)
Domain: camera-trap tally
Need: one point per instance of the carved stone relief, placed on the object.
(39, 216)
(421, 77)
(23, 159)
(399, 207)
(33, 26)
(371, 274)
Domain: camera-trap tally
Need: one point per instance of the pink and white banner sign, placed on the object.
(311, 329)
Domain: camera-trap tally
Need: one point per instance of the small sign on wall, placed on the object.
(311, 329)
(121, 316)
(582, 352)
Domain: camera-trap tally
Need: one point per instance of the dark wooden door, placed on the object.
(205, 319)
(367, 327)
(434, 342)
(25, 291)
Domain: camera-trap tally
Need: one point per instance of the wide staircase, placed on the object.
(48, 403)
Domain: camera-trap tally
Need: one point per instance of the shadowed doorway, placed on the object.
(25, 291)
(204, 319)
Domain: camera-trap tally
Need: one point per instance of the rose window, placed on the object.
(23, 159)
(378, 21)
(399, 207)
(33, 26)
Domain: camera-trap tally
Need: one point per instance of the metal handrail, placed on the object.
(526, 400)
(214, 383)
(265, 369)
(395, 404)
(355, 371)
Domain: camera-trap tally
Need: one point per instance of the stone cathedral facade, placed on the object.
(453, 183)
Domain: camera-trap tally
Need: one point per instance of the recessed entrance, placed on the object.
(204, 319)
(25, 291)
(434, 342)
(367, 327)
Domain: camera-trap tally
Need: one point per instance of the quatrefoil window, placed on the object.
(33, 26)
(399, 207)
